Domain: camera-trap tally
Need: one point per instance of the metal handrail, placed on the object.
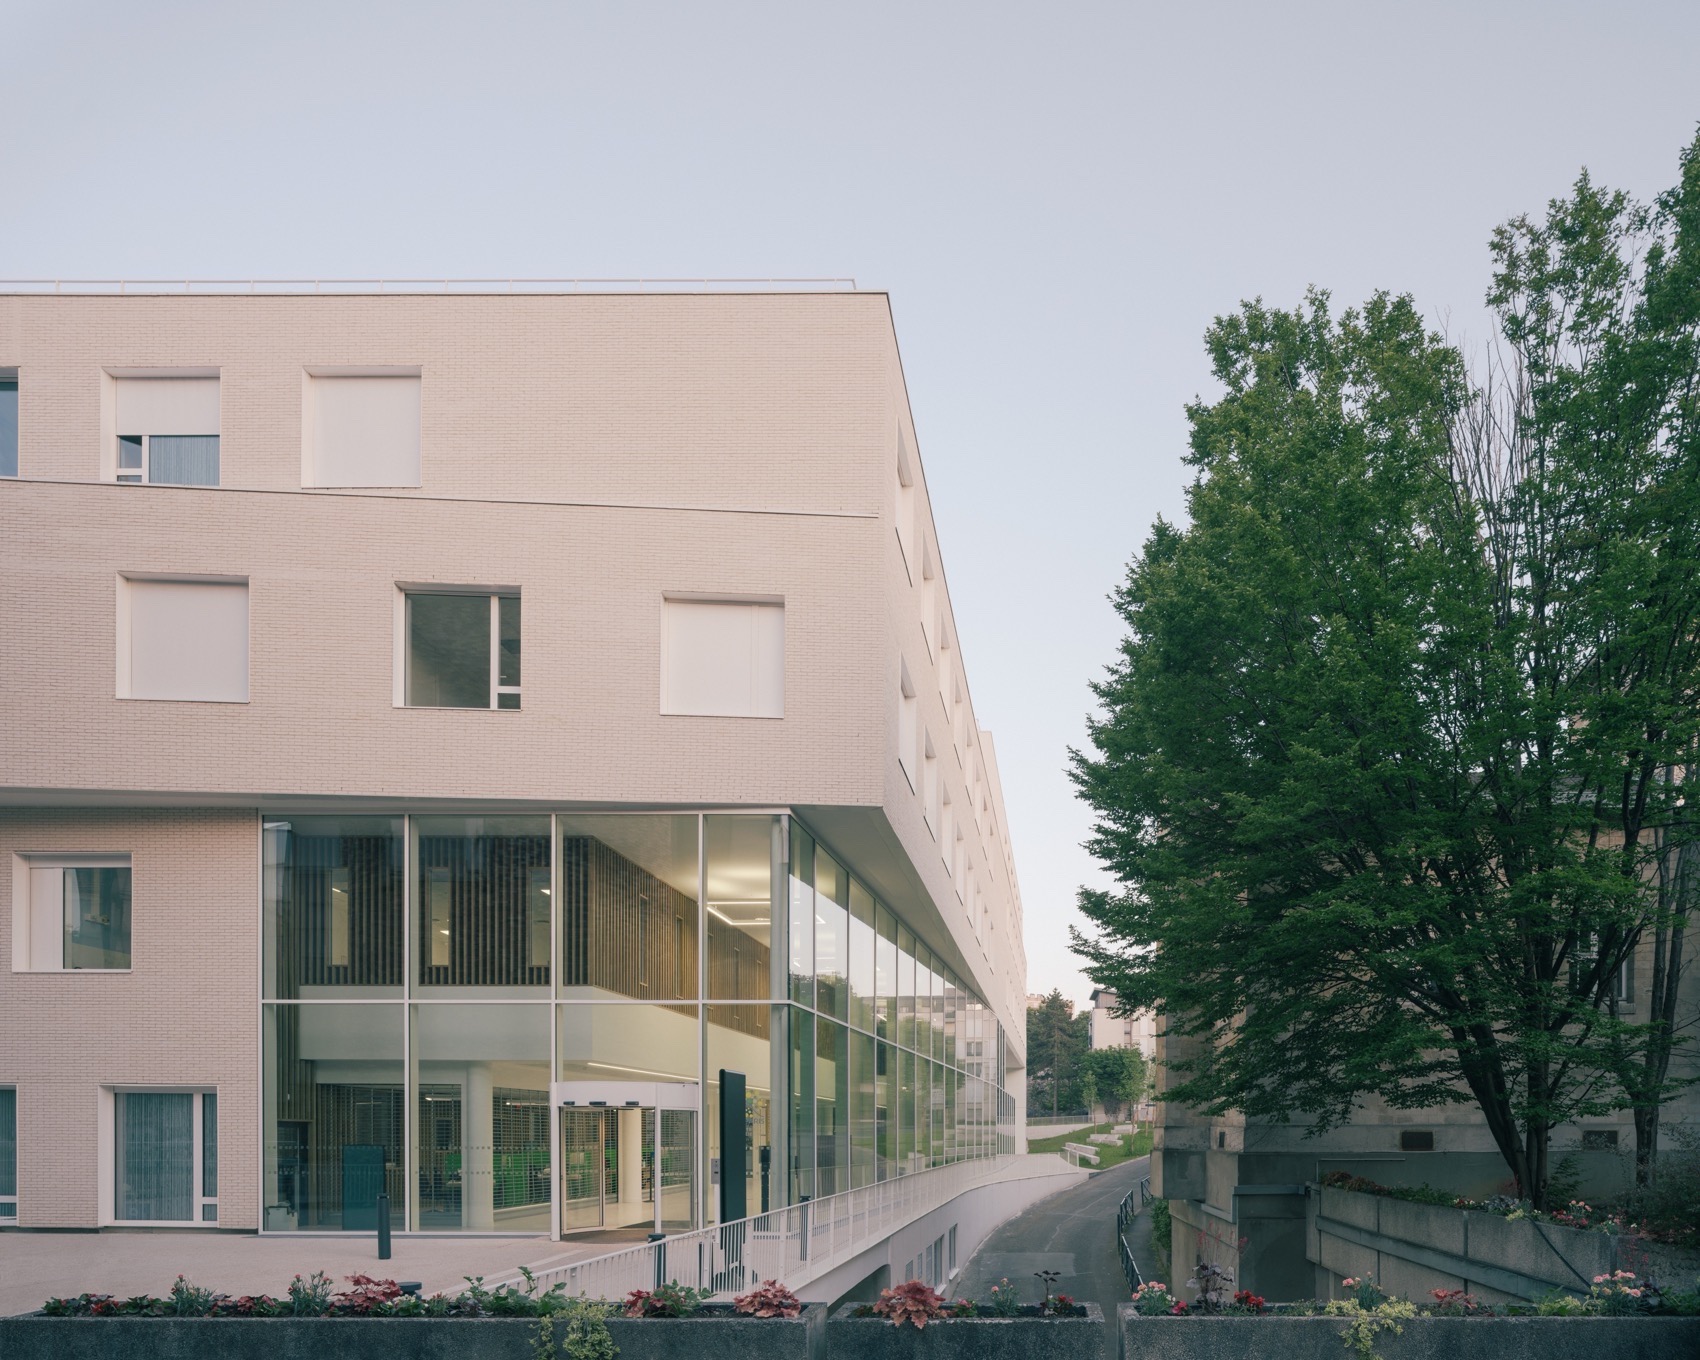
(1126, 1212)
(795, 1244)
(154, 287)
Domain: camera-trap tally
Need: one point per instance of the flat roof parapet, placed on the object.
(360, 287)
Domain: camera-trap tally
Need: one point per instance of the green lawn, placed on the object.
(1109, 1154)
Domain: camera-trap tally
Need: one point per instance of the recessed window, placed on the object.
(73, 913)
(930, 784)
(1599, 1140)
(463, 649)
(929, 599)
(167, 430)
(8, 422)
(723, 658)
(8, 1152)
(1416, 1140)
(183, 639)
(165, 1167)
(905, 506)
(360, 430)
(907, 724)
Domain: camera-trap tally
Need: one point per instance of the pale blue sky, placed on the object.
(1058, 197)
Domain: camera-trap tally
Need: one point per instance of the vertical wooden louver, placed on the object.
(488, 883)
(354, 943)
(624, 930)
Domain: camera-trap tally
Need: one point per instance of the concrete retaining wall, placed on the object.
(706, 1338)
(1320, 1338)
(1033, 1338)
(1410, 1249)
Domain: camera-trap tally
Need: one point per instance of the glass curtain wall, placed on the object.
(427, 978)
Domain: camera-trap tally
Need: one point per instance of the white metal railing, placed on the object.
(794, 1244)
(125, 287)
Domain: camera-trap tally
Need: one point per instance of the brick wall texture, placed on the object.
(595, 452)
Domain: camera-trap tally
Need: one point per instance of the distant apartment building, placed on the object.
(510, 754)
(1106, 1029)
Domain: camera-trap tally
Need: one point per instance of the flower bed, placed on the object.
(1283, 1336)
(1645, 1321)
(1576, 1213)
(373, 1318)
(1030, 1334)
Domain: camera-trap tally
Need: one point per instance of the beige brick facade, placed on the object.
(593, 452)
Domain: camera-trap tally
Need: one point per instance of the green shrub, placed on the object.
(1161, 1224)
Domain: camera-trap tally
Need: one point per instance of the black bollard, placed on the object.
(383, 1225)
(658, 1240)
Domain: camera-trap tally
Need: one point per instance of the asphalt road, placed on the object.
(1073, 1233)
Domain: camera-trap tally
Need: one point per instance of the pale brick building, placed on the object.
(451, 742)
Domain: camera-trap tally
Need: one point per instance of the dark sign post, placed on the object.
(734, 1151)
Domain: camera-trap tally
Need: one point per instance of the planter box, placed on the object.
(1424, 1338)
(714, 1337)
(1020, 1338)
(1411, 1248)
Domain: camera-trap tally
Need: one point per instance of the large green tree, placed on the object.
(1390, 770)
(1056, 1042)
(1117, 1076)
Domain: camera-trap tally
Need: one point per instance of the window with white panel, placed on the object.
(70, 913)
(167, 430)
(183, 638)
(361, 430)
(723, 658)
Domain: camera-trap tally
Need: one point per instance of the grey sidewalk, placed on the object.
(1074, 1233)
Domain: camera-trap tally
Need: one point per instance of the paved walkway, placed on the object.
(1073, 1233)
(34, 1266)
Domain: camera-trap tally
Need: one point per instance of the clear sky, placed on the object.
(1059, 197)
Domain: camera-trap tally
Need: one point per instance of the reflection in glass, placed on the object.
(8, 427)
(479, 882)
(832, 1107)
(905, 987)
(862, 1115)
(802, 964)
(832, 936)
(448, 651)
(629, 907)
(923, 1035)
(333, 907)
(481, 1118)
(905, 1112)
(507, 652)
(333, 1116)
(952, 999)
(939, 1010)
(885, 972)
(885, 1112)
(97, 918)
(861, 956)
(802, 1085)
(739, 854)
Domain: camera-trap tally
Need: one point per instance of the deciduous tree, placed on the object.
(1391, 768)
